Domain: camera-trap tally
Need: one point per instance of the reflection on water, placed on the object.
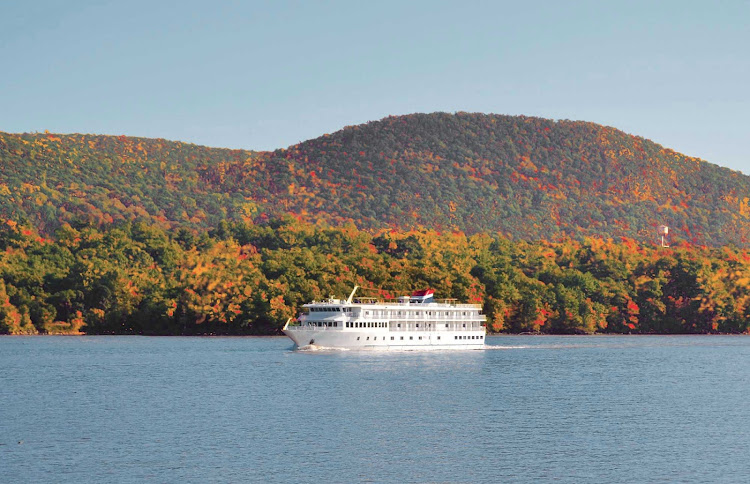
(527, 408)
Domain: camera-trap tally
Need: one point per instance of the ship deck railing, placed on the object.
(297, 325)
(430, 317)
(445, 302)
(428, 329)
(392, 302)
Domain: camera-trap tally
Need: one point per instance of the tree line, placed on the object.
(245, 278)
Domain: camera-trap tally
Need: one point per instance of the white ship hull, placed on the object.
(404, 340)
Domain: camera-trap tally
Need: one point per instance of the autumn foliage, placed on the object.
(245, 278)
(550, 225)
(526, 178)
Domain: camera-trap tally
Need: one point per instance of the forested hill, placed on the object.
(528, 178)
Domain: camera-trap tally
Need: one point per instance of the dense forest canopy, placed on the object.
(242, 278)
(550, 225)
(525, 178)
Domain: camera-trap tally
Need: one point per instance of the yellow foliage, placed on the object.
(745, 207)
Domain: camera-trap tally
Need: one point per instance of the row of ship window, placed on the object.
(361, 324)
(329, 309)
(375, 338)
(385, 313)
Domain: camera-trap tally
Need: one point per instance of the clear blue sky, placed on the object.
(265, 75)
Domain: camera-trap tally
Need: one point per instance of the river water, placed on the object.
(527, 409)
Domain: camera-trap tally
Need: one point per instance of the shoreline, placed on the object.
(512, 335)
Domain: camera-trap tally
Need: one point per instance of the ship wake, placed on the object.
(497, 347)
(313, 348)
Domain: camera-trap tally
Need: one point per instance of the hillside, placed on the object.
(527, 178)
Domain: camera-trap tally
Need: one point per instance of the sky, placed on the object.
(265, 75)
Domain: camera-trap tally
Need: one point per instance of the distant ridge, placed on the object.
(524, 177)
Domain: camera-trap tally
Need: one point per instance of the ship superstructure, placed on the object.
(418, 321)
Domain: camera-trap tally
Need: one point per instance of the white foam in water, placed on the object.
(504, 347)
(320, 348)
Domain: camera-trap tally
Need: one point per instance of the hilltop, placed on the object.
(522, 177)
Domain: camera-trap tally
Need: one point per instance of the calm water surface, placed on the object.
(572, 409)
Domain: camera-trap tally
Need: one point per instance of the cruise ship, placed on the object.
(411, 322)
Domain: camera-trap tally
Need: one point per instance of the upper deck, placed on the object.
(417, 299)
(394, 304)
(394, 311)
(404, 313)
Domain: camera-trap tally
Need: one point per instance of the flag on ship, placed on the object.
(423, 296)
